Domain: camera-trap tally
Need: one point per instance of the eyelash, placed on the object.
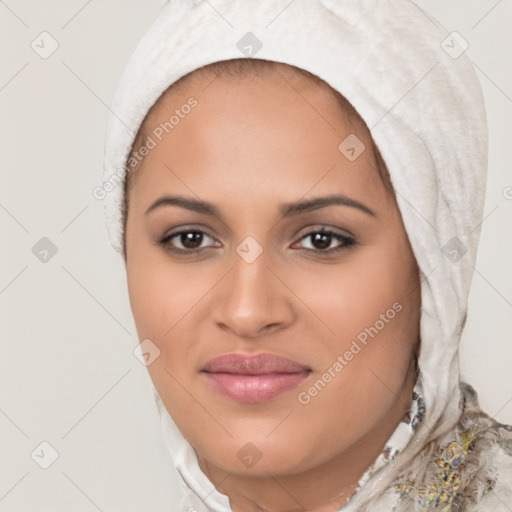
(347, 242)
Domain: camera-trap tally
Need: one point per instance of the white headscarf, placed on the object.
(411, 82)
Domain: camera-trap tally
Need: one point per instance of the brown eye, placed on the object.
(191, 239)
(322, 240)
(185, 241)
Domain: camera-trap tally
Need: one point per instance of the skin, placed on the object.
(250, 145)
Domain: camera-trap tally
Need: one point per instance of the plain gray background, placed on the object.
(68, 374)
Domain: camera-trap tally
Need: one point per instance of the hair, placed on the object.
(243, 68)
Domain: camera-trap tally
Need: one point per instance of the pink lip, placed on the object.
(253, 378)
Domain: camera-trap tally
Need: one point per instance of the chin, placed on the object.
(259, 455)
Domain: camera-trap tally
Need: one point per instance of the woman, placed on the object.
(301, 190)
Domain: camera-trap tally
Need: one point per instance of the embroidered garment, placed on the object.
(402, 434)
(465, 470)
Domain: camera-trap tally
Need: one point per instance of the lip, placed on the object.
(253, 378)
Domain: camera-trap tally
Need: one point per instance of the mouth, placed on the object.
(254, 378)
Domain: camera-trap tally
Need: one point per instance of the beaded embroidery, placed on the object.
(444, 493)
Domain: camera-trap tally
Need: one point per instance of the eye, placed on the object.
(185, 241)
(321, 241)
(190, 241)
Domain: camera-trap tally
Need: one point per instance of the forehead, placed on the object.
(233, 79)
(276, 130)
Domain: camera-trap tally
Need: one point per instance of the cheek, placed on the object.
(161, 294)
(162, 301)
(373, 307)
(167, 301)
(372, 304)
(352, 296)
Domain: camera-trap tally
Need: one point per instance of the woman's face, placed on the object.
(259, 170)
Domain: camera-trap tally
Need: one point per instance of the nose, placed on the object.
(253, 300)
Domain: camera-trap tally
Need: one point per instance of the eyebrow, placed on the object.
(286, 209)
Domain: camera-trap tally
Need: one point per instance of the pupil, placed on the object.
(321, 240)
(191, 240)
